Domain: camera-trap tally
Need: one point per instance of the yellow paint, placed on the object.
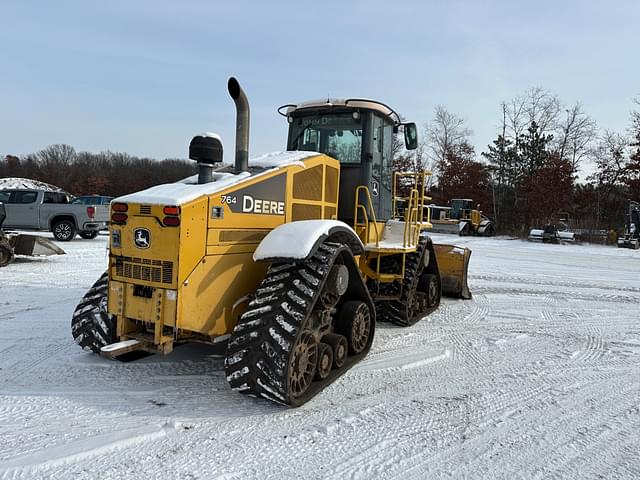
(210, 257)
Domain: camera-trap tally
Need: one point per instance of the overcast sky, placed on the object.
(145, 76)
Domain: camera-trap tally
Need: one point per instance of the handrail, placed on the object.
(358, 206)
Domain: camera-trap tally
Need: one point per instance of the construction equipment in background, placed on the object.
(556, 231)
(461, 219)
(12, 244)
(631, 235)
(290, 257)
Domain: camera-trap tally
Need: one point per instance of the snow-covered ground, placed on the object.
(537, 377)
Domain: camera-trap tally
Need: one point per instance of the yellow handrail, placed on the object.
(358, 206)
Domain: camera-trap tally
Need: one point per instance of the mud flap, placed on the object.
(453, 264)
(33, 245)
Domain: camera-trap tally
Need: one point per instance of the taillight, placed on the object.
(119, 207)
(91, 211)
(171, 210)
(171, 221)
(119, 218)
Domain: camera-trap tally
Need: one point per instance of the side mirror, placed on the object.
(410, 136)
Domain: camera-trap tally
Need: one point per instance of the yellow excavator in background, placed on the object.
(290, 257)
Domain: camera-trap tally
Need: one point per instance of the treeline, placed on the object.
(105, 173)
(529, 174)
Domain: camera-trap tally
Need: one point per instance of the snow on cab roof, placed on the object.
(188, 189)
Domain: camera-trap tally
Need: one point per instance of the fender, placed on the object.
(299, 240)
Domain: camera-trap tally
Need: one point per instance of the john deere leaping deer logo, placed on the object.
(142, 238)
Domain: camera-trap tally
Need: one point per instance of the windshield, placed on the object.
(337, 135)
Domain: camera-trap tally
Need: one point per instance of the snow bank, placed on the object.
(16, 182)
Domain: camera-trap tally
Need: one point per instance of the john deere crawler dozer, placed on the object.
(461, 219)
(290, 256)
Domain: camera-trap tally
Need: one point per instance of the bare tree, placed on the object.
(574, 136)
(542, 107)
(611, 159)
(535, 105)
(445, 132)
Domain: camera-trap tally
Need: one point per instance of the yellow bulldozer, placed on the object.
(291, 257)
(461, 218)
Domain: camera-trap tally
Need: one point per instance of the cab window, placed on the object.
(337, 135)
(23, 197)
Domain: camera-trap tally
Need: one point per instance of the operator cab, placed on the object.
(461, 208)
(359, 134)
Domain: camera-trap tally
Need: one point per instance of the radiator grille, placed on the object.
(331, 185)
(145, 209)
(329, 212)
(157, 271)
(300, 211)
(307, 185)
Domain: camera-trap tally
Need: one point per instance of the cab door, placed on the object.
(380, 184)
(22, 209)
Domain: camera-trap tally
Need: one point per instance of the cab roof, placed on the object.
(349, 103)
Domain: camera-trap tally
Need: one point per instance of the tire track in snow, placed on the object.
(81, 450)
(551, 282)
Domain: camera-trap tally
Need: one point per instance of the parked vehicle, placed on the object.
(33, 209)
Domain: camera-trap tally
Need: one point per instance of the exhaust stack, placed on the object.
(242, 125)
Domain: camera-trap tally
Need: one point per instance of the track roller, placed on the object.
(325, 361)
(339, 346)
(355, 320)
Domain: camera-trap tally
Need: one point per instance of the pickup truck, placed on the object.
(31, 209)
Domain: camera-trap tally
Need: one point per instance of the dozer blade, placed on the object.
(33, 245)
(453, 263)
(449, 227)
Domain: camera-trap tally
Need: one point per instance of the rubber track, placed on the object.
(91, 326)
(395, 311)
(259, 349)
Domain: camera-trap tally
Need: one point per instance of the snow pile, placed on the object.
(8, 183)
